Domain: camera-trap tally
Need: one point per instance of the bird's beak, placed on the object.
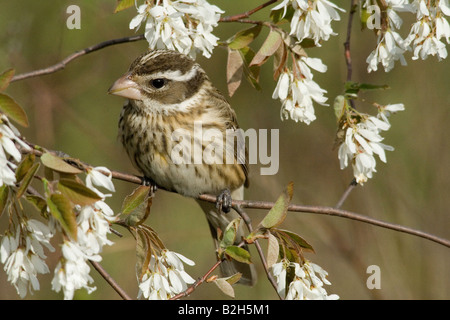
(125, 87)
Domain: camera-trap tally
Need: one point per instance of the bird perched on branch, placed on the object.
(169, 99)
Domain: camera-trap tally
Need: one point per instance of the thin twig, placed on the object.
(196, 283)
(348, 58)
(247, 222)
(246, 14)
(110, 280)
(347, 192)
(61, 65)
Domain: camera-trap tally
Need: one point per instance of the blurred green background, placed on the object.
(71, 111)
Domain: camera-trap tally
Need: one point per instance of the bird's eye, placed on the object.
(158, 83)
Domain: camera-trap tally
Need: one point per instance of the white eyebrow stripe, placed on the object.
(176, 75)
(149, 56)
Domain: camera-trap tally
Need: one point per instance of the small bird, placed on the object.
(168, 95)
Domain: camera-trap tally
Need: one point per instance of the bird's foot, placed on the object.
(223, 201)
(148, 182)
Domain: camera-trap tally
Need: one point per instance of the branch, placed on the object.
(197, 283)
(246, 14)
(307, 209)
(110, 280)
(334, 212)
(347, 192)
(348, 58)
(247, 222)
(61, 65)
(254, 204)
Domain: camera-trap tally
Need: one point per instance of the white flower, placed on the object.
(306, 285)
(390, 48)
(385, 111)
(298, 91)
(23, 255)
(96, 177)
(363, 141)
(9, 154)
(72, 272)
(312, 19)
(184, 25)
(431, 26)
(92, 233)
(165, 276)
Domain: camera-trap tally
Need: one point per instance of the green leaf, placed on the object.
(12, 109)
(58, 164)
(143, 252)
(235, 69)
(234, 278)
(225, 287)
(38, 202)
(268, 48)
(255, 235)
(77, 192)
(5, 79)
(24, 166)
(278, 212)
(339, 106)
(296, 239)
(293, 45)
(238, 254)
(251, 72)
(137, 206)
(123, 4)
(4, 193)
(352, 87)
(136, 198)
(279, 61)
(244, 38)
(61, 209)
(229, 236)
(272, 250)
(140, 213)
(27, 180)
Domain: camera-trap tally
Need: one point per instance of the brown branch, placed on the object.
(61, 65)
(308, 209)
(347, 192)
(348, 58)
(330, 211)
(247, 222)
(197, 283)
(110, 280)
(246, 14)
(253, 204)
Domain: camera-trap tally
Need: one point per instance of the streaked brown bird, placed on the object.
(168, 97)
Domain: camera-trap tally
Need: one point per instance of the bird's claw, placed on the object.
(148, 182)
(223, 202)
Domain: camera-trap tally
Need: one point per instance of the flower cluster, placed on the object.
(165, 276)
(362, 140)
(22, 254)
(311, 19)
(424, 38)
(297, 90)
(307, 283)
(184, 25)
(72, 271)
(390, 45)
(431, 26)
(9, 154)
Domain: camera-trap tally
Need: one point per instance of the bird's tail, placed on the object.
(220, 220)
